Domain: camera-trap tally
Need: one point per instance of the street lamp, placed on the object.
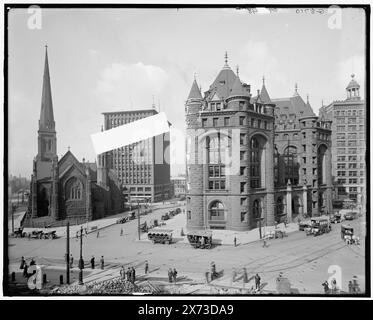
(81, 261)
(138, 217)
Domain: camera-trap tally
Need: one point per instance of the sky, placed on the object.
(104, 60)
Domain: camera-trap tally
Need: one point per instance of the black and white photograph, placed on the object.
(186, 151)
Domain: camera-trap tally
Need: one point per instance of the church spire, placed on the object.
(46, 122)
(195, 92)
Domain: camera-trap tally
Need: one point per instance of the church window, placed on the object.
(74, 189)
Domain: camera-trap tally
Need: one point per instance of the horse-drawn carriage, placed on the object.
(35, 234)
(160, 236)
(144, 227)
(165, 217)
(200, 239)
(50, 234)
(18, 233)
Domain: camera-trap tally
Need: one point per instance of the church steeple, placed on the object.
(46, 122)
(47, 141)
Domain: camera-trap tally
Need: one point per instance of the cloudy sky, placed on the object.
(117, 59)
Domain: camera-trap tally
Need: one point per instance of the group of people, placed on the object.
(24, 266)
(102, 262)
(129, 275)
(172, 275)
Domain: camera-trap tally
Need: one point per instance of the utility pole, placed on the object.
(138, 217)
(81, 262)
(68, 253)
(13, 209)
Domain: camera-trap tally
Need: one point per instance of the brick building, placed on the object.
(349, 144)
(142, 168)
(252, 160)
(67, 189)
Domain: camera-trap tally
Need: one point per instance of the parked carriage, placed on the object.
(160, 236)
(50, 234)
(200, 239)
(319, 226)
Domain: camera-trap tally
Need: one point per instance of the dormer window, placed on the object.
(218, 107)
(222, 83)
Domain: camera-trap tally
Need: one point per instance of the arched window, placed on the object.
(217, 211)
(256, 209)
(254, 163)
(73, 189)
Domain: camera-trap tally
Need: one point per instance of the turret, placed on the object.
(353, 89)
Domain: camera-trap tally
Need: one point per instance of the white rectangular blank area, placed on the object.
(130, 133)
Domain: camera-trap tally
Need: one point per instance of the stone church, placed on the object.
(67, 189)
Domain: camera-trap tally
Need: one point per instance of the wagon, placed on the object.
(35, 234)
(160, 236)
(19, 233)
(50, 235)
(165, 217)
(200, 239)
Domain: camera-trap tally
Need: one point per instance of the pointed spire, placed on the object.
(263, 81)
(296, 90)
(226, 66)
(46, 121)
(264, 96)
(194, 93)
(237, 70)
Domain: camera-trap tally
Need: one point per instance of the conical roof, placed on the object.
(46, 113)
(195, 93)
(264, 96)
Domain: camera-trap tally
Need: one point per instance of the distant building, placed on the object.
(67, 189)
(253, 160)
(179, 186)
(142, 168)
(349, 144)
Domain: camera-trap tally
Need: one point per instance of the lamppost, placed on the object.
(138, 217)
(81, 261)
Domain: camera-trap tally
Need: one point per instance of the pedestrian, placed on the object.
(102, 262)
(326, 287)
(98, 234)
(128, 274)
(244, 275)
(285, 222)
(146, 267)
(133, 274)
(334, 286)
(170, 274)
(32, 263)
(257, 282)
(235, 241)
(121, 272)
(93, 262)
(71, 261)
(207, 276)
(356, 286)
(350, 287)
(23, 262)
(174, 275)
(265, 245)
(234, 273)
(77, 235)
(25, 269)
(121, 232)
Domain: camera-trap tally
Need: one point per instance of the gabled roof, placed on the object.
(195, 93)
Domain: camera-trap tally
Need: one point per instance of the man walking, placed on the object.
(71, 260)
(257, 282)
(235, 241)
(102, 262)
(23, 262)
(146, 267)
(170, 274)
(133, 275)
(128, 273)
(93, 262)
(121, 232)
(98, 234)
(174, 275)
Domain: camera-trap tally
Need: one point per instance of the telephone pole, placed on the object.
(68, 253)
(81, 262)
(138, 217)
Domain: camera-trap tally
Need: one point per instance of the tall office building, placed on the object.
(349, 144)
(143, 168)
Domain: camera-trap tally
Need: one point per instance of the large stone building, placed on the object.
(67, 189)
(349, 144)
(142, 168)
(252, 160)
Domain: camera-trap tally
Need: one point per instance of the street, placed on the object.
(304, 260)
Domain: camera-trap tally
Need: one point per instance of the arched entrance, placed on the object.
(280, 207)
(296, 206)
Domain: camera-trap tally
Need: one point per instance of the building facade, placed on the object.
(179, 186)
(67, 189)
(349, 144)
(142, 168)
(239, 157)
